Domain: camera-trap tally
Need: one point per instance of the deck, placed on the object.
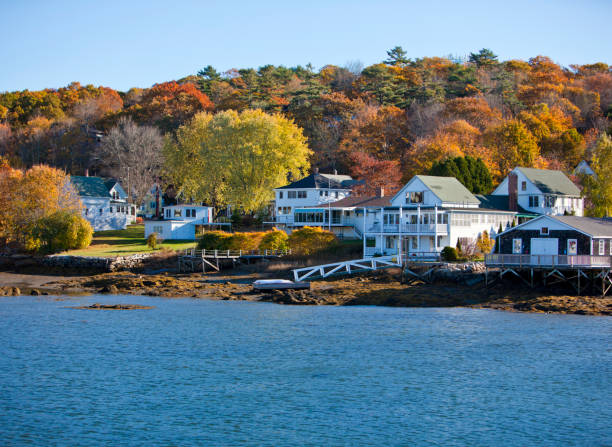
(192, 259)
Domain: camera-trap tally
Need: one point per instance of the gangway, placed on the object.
(346, 267)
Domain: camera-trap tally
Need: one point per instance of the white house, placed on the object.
(104, 202)
(430, 213)
(584, 168)
(298, 203)
(542, 191)
(180, 222)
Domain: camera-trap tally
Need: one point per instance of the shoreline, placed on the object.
(375, 289)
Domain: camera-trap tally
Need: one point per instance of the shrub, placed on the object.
(214, 240)
(309, 240)
(62, 230)
(274, 240)
(245, 241)
(449, 254)
(152, 241)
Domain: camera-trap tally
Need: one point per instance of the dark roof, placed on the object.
(492, 202)
(551, 182)
(448, 189)
(91, 186)
(589, 225)
(360, 202)
(322, 181)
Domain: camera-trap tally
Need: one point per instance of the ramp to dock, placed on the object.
(345, 267)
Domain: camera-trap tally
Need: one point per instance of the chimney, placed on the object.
(512, 192)
(381, 192)
(86, 172)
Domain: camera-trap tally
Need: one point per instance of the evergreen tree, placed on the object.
(397, 56)
(471, 172)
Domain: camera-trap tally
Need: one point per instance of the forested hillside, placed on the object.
(383, 123)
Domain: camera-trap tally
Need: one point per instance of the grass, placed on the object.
(113, 243)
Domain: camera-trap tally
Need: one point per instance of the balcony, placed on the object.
(409, 228)
(566, 261)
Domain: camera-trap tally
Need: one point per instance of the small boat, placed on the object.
(277, 284)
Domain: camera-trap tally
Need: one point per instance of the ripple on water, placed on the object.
(194, 372)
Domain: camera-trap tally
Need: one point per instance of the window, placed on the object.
(517, 246)
(280, 195)
(523, 186)
(158, 229)
(572, 247)
(439, 241)
(111, 209)
(188, 213)
(177, 213)
(549, 201)
(390, 242)
(168, 214)
(301, 194)
(193, 212)
(414, 197)
(320, 193)
(370, 242)
(534, 201)
(335, 194)
(291, 194)
(602, 247)
(443, 218)
(391, 219)
(544, 231)
(100, 210)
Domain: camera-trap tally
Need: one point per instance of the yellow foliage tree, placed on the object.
(236, 158)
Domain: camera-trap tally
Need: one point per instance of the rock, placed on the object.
(35, 292)
(15, 291)
(110, 289)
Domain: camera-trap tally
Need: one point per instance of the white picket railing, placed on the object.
(520, 260)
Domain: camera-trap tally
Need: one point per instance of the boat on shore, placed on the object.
(279, 284)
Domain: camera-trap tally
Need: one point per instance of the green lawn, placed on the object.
(124, 242)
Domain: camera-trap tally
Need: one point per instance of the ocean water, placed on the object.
(199, 372)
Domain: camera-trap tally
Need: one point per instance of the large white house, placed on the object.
(542, 191)
(104, 202)
(307, 201)
(180, 222)
(428, 214)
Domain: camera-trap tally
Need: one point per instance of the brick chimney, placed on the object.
(512, 192)
(381, 192)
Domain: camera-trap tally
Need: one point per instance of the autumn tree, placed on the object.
(514, 145)
(598, 188)
(134, 154)
(248, 154)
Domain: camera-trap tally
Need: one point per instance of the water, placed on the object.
(198, 372)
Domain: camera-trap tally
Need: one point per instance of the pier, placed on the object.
(581, 272)
(192, 260)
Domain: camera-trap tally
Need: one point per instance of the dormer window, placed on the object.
(523, 186)
(414, 197)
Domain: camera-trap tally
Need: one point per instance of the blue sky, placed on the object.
(136, 43)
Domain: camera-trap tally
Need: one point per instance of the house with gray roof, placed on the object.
(104, 202)
(541, 191)
(547, 237)
(307, 201)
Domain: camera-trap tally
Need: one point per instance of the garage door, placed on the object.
(544, 246)
(543, 251)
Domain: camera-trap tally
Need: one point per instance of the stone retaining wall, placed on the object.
(13, 262)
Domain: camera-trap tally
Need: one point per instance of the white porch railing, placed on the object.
(409, 228)
(511, 260)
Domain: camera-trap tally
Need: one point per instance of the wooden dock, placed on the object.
(581, 272)
(193, 260)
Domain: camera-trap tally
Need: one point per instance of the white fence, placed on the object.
(325, 270)
(500, 260)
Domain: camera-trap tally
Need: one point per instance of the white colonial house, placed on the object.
(428, 214)
(542, 191)
(180, 222)
(104, 202)
(308, 201)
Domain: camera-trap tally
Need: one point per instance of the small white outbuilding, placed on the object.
(179, 222)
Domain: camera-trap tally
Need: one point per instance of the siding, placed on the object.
(584, 242)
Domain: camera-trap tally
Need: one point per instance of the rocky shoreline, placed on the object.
(378, 289)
